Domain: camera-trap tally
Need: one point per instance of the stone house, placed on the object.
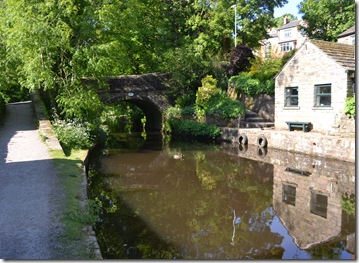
(347, 37)
(313, 87)
(282, 40)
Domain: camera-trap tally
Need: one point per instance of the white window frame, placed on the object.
(288, 46)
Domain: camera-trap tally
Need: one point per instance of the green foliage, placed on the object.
(2, 107)
(185, 100)
(287, 56)
(186, 70)
(224, 107)
(350, 107)
(260, 77)
(52, 45)
(212, 101)
(72, 134)
(193, 128)
(326, 19)
(266, 69)
(15, 93)
(348, 204)
(251, 86)
(279, 21)
(206, 91)
(178, 112)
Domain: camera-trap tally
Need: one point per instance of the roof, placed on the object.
(293, 23)
(350, 31)
(343, 54)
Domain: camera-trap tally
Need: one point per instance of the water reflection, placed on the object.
(219, 203)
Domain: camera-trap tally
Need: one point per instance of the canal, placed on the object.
(219, 202)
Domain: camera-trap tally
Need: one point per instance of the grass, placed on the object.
(76, 213)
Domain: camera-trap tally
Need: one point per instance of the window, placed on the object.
(287, 33)
(323, 95)
(318, 204)
(287, 46)
(291, 97)
(297, 171)
(288, 194)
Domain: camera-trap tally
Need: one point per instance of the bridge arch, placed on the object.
(154, 116)
(147, 91)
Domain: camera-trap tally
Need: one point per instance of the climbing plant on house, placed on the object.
(350, 107)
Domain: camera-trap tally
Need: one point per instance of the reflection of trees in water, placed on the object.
(198, 221)
(329, 250)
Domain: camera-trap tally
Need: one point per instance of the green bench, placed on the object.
(303, 125)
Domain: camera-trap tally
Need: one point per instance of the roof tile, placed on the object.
(343, 54)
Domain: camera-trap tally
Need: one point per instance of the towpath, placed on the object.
(29, 191)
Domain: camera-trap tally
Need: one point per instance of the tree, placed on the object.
(53, 44)
(327, 18)
(240, 59)
(254, 18)
(279, 21)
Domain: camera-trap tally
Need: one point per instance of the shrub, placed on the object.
(212, 101)
(350, 107)
(251, 86)
(194, 128)
(264, 70)
(224, 107)
(239, 59)
(72, 134)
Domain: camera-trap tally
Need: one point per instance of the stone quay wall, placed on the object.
(315, 144)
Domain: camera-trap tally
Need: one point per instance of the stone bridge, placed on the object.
(147, 91)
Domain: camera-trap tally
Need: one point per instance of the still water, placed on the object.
(220, 202)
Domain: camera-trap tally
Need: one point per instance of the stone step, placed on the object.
(255, 119)
(259, 125)
(251, 114)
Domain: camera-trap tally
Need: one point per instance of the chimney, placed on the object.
(286, 20)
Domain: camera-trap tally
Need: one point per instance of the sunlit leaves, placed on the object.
(327, 18)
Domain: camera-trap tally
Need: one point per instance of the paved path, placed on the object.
(29, 191)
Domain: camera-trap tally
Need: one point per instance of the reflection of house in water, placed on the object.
(307, 196)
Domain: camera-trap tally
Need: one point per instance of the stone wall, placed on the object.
(315, 144)
(309, 67)
(263, 104)
(346, 126)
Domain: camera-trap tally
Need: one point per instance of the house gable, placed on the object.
(341, 54)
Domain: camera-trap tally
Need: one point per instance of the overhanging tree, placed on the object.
(327, 18)
(53, 44)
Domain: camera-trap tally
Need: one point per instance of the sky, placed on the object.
(290, 8)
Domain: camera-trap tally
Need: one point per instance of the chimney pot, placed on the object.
(286, 20)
